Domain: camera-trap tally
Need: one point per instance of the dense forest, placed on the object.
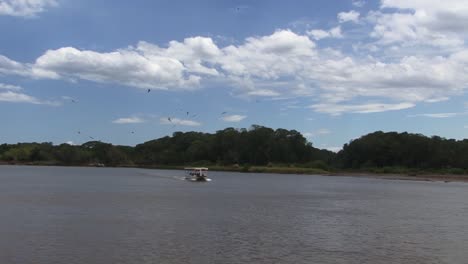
(256, 146)
(404, 150)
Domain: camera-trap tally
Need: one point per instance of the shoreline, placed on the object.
(403, 177)
(431, 177)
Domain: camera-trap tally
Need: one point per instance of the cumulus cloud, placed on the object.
(128, 120)
(177, 121)
(233, 118)
(432, 22)
(351, 16)
(319, 34)
(8, 66)
(128, 67)
(25, 8)
(406, 65)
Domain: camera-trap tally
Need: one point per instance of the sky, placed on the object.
(126, 72)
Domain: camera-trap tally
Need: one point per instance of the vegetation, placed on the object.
(259, 149)
(404, 153)
(238, 148)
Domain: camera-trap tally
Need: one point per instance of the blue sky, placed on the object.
(333, 70)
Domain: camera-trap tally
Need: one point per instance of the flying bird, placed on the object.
(223, 113)
(241, 8)
(169, 119)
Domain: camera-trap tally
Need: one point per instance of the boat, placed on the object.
(197, 174)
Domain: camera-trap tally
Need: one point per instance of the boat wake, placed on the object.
(162, 176)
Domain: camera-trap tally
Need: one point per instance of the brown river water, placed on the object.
(112, 215)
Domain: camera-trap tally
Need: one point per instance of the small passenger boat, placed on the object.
(197, 174)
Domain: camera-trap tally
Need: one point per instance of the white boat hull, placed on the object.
(198, 180)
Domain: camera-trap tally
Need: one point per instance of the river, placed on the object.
(114, 215)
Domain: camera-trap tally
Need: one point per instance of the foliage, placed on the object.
(259, 149)
(393, 150)
(256, 146)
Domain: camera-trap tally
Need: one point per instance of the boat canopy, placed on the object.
(196, 168)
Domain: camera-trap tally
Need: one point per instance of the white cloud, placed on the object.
(192, 52)
(318, 132)
(263, 92)
(128, 120)
(177, 121)
(8, 66)
(15, 97)
(322, 131)
(127, 67)
(25, 8)
(319, 34)
(10, 87)
(351, 16)
(266, 59)
(438, 115)
(359, 108)
(430, 22)
(358, 3)
(71, 143)
(333, 149)
(233, 118)
(437, 99)
(286, 64)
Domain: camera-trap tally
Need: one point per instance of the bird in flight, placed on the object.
(223, 113)
(149, 90)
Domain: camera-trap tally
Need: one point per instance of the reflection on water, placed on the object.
(105, 215)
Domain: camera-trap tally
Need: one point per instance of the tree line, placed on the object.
(404, 150)
(256, 146)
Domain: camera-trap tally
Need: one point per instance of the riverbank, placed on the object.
(420, 176)
(405, 177)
